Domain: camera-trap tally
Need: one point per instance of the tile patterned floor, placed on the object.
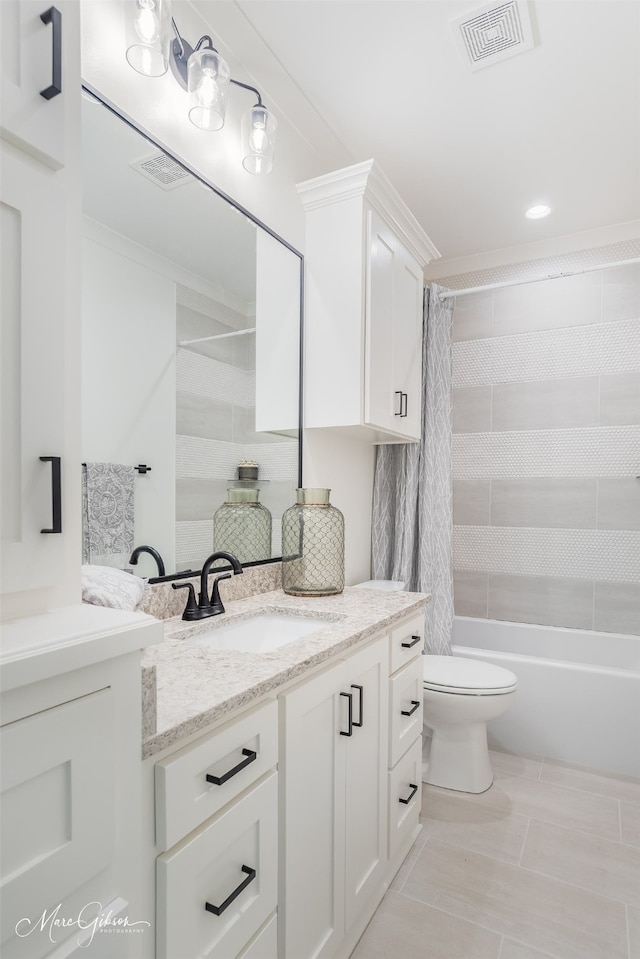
(544, 865)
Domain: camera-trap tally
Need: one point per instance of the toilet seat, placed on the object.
(466, 677)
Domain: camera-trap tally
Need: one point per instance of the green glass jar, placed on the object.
(242, 525)
(312, 545)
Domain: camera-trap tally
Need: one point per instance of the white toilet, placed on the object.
(460, 697)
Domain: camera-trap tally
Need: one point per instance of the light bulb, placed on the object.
(258, 139)
(147, 24)
(207, 90)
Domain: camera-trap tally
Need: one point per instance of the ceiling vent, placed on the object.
(162, 170)
(494, 32)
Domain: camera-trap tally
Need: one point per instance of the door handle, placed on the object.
(54, 17)
(361, 705)
(219, 780)
(414, 790)
(406, 404)
(415, 704)
(414, 641)
(56, 494)
(398, 393)
(350, 719)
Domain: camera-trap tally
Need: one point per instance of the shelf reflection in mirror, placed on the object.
(191, 314)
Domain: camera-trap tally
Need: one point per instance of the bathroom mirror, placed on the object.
(191, 319)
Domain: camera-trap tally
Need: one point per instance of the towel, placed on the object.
(107, 513)
(105, 586)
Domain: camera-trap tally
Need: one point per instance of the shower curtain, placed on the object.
(412, 497)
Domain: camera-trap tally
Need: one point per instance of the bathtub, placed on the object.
(578, 697)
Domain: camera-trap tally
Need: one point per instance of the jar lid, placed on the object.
(242, 495)
(314, 496)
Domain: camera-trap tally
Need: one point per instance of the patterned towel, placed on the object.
(107, 513)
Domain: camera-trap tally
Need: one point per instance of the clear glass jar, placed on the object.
(312, 545)
(242, 526)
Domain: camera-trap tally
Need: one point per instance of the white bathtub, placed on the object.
(578, 698)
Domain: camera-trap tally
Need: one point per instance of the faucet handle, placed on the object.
(191, 609)
(216, 602)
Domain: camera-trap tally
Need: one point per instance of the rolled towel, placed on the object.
(107, 586)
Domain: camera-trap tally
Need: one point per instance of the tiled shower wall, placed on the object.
(546, 449)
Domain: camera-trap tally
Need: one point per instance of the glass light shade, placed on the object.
(149, 31)
(258, 140)
(208, 81)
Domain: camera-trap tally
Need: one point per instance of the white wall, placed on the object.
(158, 105)
(128, 406)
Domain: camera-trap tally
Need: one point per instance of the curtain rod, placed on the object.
(216, 336)
(536, 279)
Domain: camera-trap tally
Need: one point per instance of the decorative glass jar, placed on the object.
(312, 545)
(242, 525)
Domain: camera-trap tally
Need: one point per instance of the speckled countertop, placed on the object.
(195, 685)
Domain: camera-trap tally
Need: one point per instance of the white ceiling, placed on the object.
(469, 151)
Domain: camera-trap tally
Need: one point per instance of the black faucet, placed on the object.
(206, 607)
(133, 559)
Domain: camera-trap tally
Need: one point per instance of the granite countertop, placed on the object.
(196, 686)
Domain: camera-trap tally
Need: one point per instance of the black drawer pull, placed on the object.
(414, 790)
(361, 703)
(56, 494)
(219, 780)
(350, 730)
(398, 393)
(415, 704)
(415, 639)
(406, 403)
(54, 17)
(218, 910)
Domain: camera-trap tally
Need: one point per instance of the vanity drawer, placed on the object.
(236, 754)
(217, 887)
(405, 697)
(405, 796)
(407, 642)
(265, 944)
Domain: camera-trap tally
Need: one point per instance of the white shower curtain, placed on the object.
(412, 498)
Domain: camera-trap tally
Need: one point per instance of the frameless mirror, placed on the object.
(191, 315)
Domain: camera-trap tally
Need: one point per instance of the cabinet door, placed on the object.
(35, 123)
(407, 341)
(366, 776)
(58, 815)
(312, 779)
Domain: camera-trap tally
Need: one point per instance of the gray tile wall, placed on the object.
(554, 368)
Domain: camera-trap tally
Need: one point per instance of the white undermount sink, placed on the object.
(260, 633)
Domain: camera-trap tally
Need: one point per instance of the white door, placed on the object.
(407, 342)
(311, 885)
(366, 777)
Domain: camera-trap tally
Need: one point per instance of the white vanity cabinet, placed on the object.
(333, 801)
(216, 806)
(71, 785)
(365, 253)
(40, 290)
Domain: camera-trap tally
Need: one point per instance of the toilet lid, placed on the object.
(453, 674)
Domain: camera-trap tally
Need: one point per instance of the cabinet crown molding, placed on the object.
(367, 180)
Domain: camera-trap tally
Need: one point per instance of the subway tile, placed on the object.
(608, 868)
(633, 923)
(516, 950)
(204, 417)
(589, 780)
(621, 293)
(619, 503)
(546, 600)
(617, 608)
(545, 404)
(630, 824)
(471, 409)
(471, 825)
(564, 502)
(538, 911)
(198, 499)
(470, 593)
(569, 301)
(620, 399)
(406, 927)
(471, 502)
(473, 317)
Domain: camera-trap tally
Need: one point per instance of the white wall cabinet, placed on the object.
(365, 254)
(333, 802)
(40, 222)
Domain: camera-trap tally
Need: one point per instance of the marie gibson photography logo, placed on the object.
(91, 919)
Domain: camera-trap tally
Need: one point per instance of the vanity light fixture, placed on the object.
(537, 212)
(156, 44)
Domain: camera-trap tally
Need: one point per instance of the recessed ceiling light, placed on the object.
(537, 212)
